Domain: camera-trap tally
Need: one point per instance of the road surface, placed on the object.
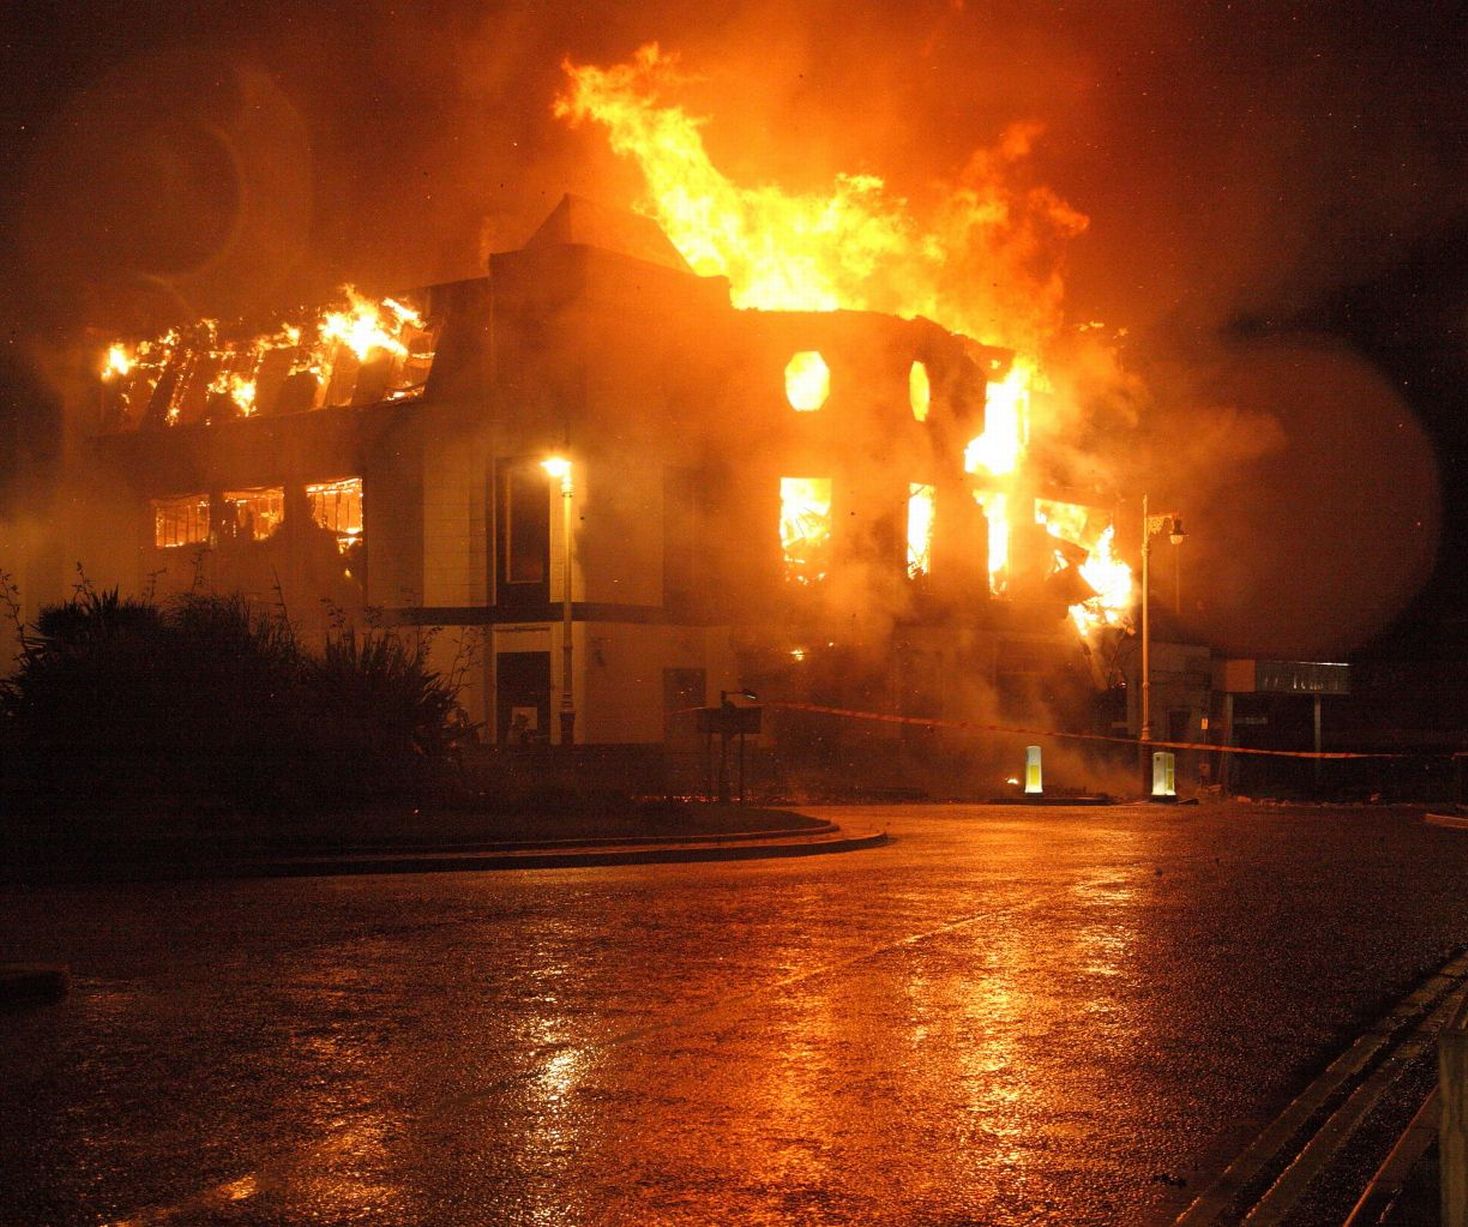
(1006, 1016)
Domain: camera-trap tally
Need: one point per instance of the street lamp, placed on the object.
(559, 466)
(1152, 526)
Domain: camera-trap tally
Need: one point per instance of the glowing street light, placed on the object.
(559, 467)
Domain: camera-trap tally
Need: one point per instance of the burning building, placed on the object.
(817, 504)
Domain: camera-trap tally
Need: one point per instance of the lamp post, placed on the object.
(559, 466)
(1172, 524)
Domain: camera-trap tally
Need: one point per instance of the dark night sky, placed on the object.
(1261, 180)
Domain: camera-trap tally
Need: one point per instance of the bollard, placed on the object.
(1164, 774)
(1033, 786)
(1452, 1141)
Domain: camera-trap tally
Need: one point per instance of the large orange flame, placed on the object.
(984, 257)
(1106, 574)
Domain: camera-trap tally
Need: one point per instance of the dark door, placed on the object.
(522, 697)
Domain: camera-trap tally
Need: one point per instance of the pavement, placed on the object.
(25, 984)
(1006, 1015)
(1411, 1199)
(571, 853)
(806, 840)
(1403, 1193)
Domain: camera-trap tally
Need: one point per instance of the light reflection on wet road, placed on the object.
(1003, 1017)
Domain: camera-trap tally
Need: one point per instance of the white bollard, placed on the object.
(1033, 786)
(1164, 774)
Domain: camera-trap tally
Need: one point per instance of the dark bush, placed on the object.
(209, 701)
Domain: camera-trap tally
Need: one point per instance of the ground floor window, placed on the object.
(337, 507)
(180, 521)
(254, 515)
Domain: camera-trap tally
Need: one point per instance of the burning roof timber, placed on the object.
(359, 351)
(352, 353)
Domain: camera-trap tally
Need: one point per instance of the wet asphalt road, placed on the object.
(1039, 1016)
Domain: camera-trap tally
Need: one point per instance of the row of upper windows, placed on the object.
(257, 514)
(804, 525)
(805, 528)
(808, 384)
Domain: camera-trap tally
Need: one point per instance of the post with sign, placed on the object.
(729, 721)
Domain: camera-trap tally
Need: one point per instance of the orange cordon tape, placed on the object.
(890, 718)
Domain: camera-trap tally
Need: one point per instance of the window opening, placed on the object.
(181, 521)
(254, 515)
(805, 528)
(337, 507)
(807, 381)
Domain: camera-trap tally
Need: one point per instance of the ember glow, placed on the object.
(1091, 533)
(255, 515)
(336, 506)
(805, 527)
(193, 374)
(119, 361)
(366, 326)
(921, 503)
(180, 521)
(995, 504)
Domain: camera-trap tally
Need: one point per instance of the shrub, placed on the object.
(211, 701)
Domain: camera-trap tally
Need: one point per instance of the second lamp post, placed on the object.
(1172, 524)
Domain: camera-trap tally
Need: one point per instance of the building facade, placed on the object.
(611, 493)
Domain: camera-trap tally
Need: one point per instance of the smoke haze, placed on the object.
(1244, 161)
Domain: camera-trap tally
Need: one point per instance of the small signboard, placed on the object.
(1302, 677)
(1282, 677)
